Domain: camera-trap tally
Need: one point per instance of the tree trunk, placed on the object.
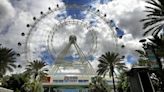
(35, 76)
(114, 87)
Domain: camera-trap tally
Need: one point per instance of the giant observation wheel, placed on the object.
(68, 41)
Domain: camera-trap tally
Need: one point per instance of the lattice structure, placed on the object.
(69, 43)
(82, 65)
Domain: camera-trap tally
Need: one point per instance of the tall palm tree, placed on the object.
(154, 20)
(108, 62)
(7, 60)
(36, 69)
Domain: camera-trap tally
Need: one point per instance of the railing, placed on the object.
(68, 82)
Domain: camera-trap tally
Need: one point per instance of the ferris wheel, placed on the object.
(56, 37)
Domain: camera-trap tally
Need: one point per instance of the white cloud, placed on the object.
(7, 12)
(126, 13)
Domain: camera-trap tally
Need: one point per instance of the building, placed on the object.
(5, 90)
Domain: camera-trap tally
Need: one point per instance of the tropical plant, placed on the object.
(108, 62)
(33, 86)
(7, 60)
(36, 69)
(155, 81)
(123, 85)
(156, 45)
(37, 72)
(154, 20)
(99, 84)
(15, 82)
(143, 60)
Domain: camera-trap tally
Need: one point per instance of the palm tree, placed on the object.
(36, 69)
(108, 62)
(154, 18)
(7, 60)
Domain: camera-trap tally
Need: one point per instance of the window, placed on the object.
(83, 81)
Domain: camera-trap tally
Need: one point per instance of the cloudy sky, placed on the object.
(125, 14)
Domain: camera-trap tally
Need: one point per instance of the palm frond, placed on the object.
(7, 59)
(9, 68)
(154, 3)
(152, 28)
(140, 52)
(12, 65)
(154, 18)
(152, 8)
(36, 68)
(151, 22)
(148, 18)
(155, 14)
(157, 30)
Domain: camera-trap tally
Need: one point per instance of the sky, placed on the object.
(124, 16)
